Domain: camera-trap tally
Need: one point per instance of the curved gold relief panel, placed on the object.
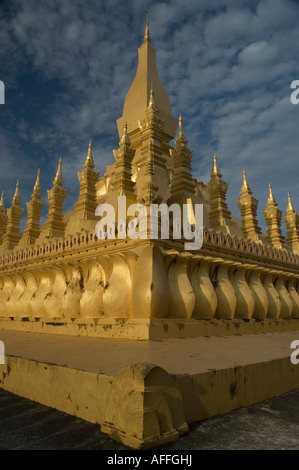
(53, 300)
(150, 290)
(7, 289)
(285, 298)
(261, 301)
(226, 297)
(1, 287)
(205, 295)
(117, 293)
(44, 281)
(13, 307)
(294, 296)
(245, 299)
(274, 307)
(131, 259)
(30, 289)
(73, 290)
(91, 305)
(182, 297)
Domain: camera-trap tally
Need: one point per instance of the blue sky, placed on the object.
(227, 67)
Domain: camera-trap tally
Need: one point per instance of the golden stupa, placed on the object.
(60, 279)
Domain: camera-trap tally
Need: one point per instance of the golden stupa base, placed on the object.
(146, 393)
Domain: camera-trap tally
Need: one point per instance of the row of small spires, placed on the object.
(218, 193)
(245, 189)
(58, 180)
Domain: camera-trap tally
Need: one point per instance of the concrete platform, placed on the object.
(195, 378)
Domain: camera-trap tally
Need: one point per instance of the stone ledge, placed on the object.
(144, 328)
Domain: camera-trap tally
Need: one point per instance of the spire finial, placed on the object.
(271, 199)
(146, 34)
(16, 198)
(2, 199)
(245, 186)
(37, 190)
(58, 181)
(180, 131)
(290, 207)
(215, 169)
(151, 101)
(89, 163)
(181, 136)
(125, 138)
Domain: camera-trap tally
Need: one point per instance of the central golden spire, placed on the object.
(137, 99)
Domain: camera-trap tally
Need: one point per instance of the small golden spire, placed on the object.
(37, 189)
(271, 199)
(58, 181)
(290, 207)
(2, 200)
(180, 131)
(245, 186)
(125, 138)
(215, 169)
(151, 101)
(16, 198)
(89, 163)
(181, 139)
(146, 34)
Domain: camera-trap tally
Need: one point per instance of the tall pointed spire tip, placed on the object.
(89, 160)
(180, 130)
(146, 34)
(290, 207)
(58, 181)
(245, 186)
(271, 199)
(37, 189)
(125, 137)
(215, 169)
(16, 198)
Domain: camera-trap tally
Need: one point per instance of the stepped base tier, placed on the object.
(147, 393)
